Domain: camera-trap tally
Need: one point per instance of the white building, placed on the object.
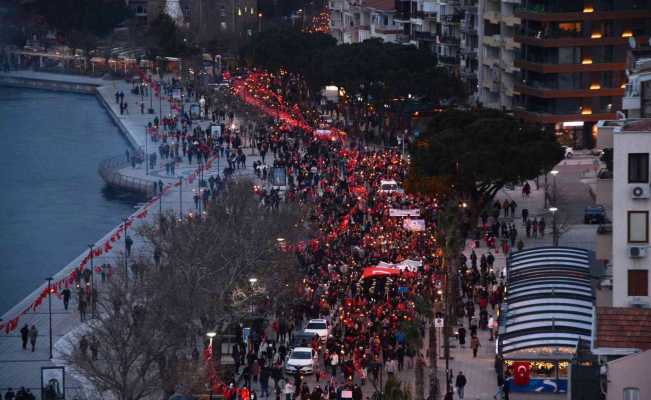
(353, 21)
(637, 98)
(631, 256)
(497, 52)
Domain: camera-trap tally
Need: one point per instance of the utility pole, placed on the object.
(554, 209)
(146, 151)
(49, 306)
(180, 197)
(93, 300)
(126, 270)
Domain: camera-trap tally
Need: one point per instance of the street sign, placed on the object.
(438, 323)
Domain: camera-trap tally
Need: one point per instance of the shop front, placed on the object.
(548, 309)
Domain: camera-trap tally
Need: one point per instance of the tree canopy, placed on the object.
(372, 69)
(98, 17)
(163, 38)
(476, 153)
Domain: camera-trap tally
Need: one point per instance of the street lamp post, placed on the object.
(180, 197)
(126, 254)
(146, 151)
(49, 307)
(554, 208)
(92, 281)
(554, 227)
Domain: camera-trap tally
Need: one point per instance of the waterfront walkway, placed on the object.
(22, 368)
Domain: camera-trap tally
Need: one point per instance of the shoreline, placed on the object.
(69, 84)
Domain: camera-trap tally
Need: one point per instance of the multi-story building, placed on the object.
(211, 19)
(572, 61)
(637, 97)
(448, 39)
(469, 44)
(497, 52)
(630, 215)
(417, 19)
(353, 21)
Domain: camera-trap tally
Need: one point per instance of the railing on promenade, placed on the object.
(110, 170)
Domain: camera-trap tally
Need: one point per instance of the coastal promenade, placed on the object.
(22, 367)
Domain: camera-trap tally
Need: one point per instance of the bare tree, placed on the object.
(120, 352)
(213, 270)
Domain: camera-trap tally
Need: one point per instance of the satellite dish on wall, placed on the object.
(632, 42)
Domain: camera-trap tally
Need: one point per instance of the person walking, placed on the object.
(462, 337)
(24, 335)
(474, 345)
(334, 361)
(10, 395)
(66, 298)
(33, 333)
(460, 384)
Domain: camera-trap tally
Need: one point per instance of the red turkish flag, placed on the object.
(521, 373)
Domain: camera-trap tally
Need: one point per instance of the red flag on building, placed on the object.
(521, 373)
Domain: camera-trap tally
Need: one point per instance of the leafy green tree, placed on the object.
(476, 153)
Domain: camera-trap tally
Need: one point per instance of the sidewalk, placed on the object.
(480, 371)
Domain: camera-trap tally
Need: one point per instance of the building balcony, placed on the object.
(493, 41)
(492, 16)
(549, 118)
(631, 103)
(490, 61)
(549, 93)
(561, 68)
(451, 41)
(551, 16)
(428, 36)
(511, 20)
(449, 61)
(576, 41)
(511, 44)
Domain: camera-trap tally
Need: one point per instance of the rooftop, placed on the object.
(643, 125)
(621, 327)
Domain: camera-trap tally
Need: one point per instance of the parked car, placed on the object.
(318, 326)
(301, 360)
(569, 152)
(594, 215)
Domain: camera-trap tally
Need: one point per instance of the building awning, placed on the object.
(549, 300)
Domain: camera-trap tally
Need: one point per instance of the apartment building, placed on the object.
(469, 44)
(211, 19)
(637, 97)
(631, 208)
(498, 50)
(572, 61)
(353, 21)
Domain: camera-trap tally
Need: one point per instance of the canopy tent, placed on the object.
(547, 310)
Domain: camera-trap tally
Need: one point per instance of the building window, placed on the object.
(631, 394)
(638, 282)
(638, 226)
(638, 167)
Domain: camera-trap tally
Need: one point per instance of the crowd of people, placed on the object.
(375, 324)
